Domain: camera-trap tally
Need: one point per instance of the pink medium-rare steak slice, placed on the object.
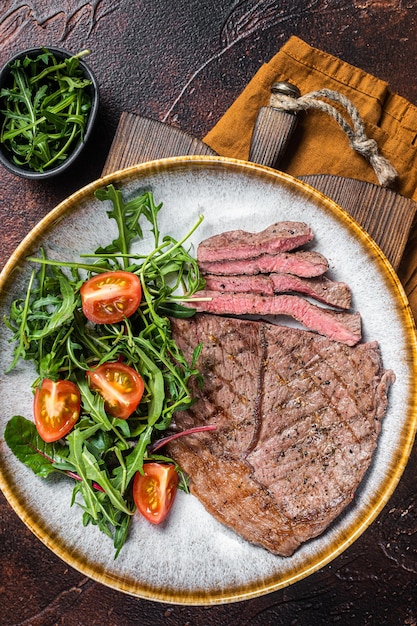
(305, 263)
(240, 244)
(337, 325)
(320, 288)
(297, 419)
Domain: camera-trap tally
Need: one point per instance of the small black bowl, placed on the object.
(92, 90)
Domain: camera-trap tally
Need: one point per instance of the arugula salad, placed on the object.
(109, 374)
(45, 106)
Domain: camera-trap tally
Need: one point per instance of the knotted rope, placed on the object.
(356, 133)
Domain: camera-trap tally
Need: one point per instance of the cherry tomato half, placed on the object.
(110, 297)
(154, 491)
(56, 408)
(120, 386)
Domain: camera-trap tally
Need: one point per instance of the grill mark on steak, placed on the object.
(239, 244)
(320, 288)
(311, 418)
(263, 350)
(305, 263)
(339, 326)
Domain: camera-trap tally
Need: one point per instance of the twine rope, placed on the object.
(356, 132)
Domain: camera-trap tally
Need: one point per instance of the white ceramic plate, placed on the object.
(193, 559)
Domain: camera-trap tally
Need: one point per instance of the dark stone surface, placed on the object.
(185, 63)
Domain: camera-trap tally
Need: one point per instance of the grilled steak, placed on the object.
(239, 244)
(305, 263)
(321, 288)
(337, 325)
(297, 419)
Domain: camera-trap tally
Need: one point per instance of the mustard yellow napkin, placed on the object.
(319, 145)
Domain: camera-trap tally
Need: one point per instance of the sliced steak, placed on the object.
(297, 419)
(320, 288)
(305, 263)
(336, 325)
(240, 244)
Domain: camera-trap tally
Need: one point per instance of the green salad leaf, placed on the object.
(43, 458)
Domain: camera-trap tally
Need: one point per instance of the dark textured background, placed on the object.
(184, 63)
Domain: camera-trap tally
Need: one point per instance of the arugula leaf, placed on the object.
(93, 405)
(63, 309)
(19, 313)
(120, 244)
(87, 467)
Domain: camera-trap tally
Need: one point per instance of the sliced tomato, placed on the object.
(110, 297)
(120, 386)
(56, 408)
(154, 491)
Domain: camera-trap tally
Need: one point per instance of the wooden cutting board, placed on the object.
(383, 213)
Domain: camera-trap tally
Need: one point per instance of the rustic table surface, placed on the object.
(184, 63)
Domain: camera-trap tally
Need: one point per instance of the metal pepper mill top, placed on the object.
(286, 89)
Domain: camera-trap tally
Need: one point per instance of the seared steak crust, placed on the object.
(297, 419)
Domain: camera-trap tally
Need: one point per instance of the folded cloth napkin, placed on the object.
(389, 119)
